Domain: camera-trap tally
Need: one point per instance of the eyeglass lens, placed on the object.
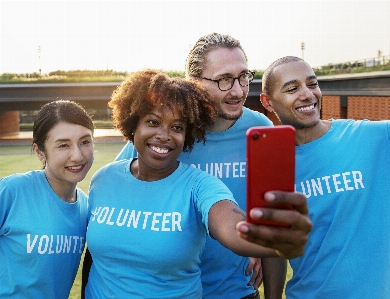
(227, 83)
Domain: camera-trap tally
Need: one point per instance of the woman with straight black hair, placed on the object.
(43, 215)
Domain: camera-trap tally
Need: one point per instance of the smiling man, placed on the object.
(342, 166)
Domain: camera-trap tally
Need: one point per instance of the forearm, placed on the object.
(223, 229)
(274, 277)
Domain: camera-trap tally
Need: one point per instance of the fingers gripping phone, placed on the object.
(270, 165)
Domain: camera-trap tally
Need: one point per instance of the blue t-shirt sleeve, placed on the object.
(208, 191)
(7, 198)
(3, 204)
(127, 152)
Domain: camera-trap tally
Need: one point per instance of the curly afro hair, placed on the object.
(143, 90)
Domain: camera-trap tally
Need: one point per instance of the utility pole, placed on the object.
(302, 48)
(39, 59)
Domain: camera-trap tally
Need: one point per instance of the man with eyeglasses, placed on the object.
(227, 83)
(220, 63)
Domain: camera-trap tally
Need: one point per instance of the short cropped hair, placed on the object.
(196, 59)
(55, 112)
(143, 90)
(268, 79)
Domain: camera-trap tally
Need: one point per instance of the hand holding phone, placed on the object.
(270, 166)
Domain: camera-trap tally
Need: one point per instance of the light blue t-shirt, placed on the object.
(42, 238)
(345, 175)
(224, 156)
(145, 238)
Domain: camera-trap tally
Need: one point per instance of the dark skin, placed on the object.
(272, 278)
(291, 240)
(284, 240)
(159, 138)
(226, 218)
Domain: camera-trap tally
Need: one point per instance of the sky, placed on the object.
(132, 35)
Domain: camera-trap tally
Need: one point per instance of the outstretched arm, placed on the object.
(223, 218)
(260, 240)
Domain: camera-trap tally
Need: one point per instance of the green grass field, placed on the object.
(14, 159)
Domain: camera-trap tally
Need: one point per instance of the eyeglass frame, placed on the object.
(234, 80)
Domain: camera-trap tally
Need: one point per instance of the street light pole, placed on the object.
(39, 58)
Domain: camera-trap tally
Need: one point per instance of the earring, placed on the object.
(43, 164)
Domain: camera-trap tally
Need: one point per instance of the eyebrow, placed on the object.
(183, 120)
(64, 140)
(288, 83)
(230, 74)
(294, 81)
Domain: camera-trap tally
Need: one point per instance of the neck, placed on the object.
(65, 190)
(305, 135)
(143, 173)
(221, 124)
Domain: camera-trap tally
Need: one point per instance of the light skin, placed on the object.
(221, 63)
(231, 62)
(67, 156)
(296, 99)
(159, 140)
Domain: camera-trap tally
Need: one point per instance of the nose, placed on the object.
(163, 135)
(307, 93)
(236, 90)
(76, 154)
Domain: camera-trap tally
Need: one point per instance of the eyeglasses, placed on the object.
(228, 82)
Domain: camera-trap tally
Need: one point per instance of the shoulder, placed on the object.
(201, 177)
(362, 124)
(362, 129)
(21, 179)
(127, 152)
(190, 171)
(112, 166)
(258, 118)
(111, 171)
(19, 186)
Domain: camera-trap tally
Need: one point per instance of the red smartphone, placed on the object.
(270, 165)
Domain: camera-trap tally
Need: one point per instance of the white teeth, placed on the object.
(75, 167)
(307, 108)
(159, 150)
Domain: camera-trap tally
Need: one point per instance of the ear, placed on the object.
(40, 154)
(265, 101)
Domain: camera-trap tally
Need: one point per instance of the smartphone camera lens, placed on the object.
(255, 136)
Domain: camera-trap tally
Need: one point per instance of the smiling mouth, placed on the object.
(306, 108)
(159, 149)
(233, 102)
(75, 168)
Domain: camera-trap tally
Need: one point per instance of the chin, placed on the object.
(230, 116)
